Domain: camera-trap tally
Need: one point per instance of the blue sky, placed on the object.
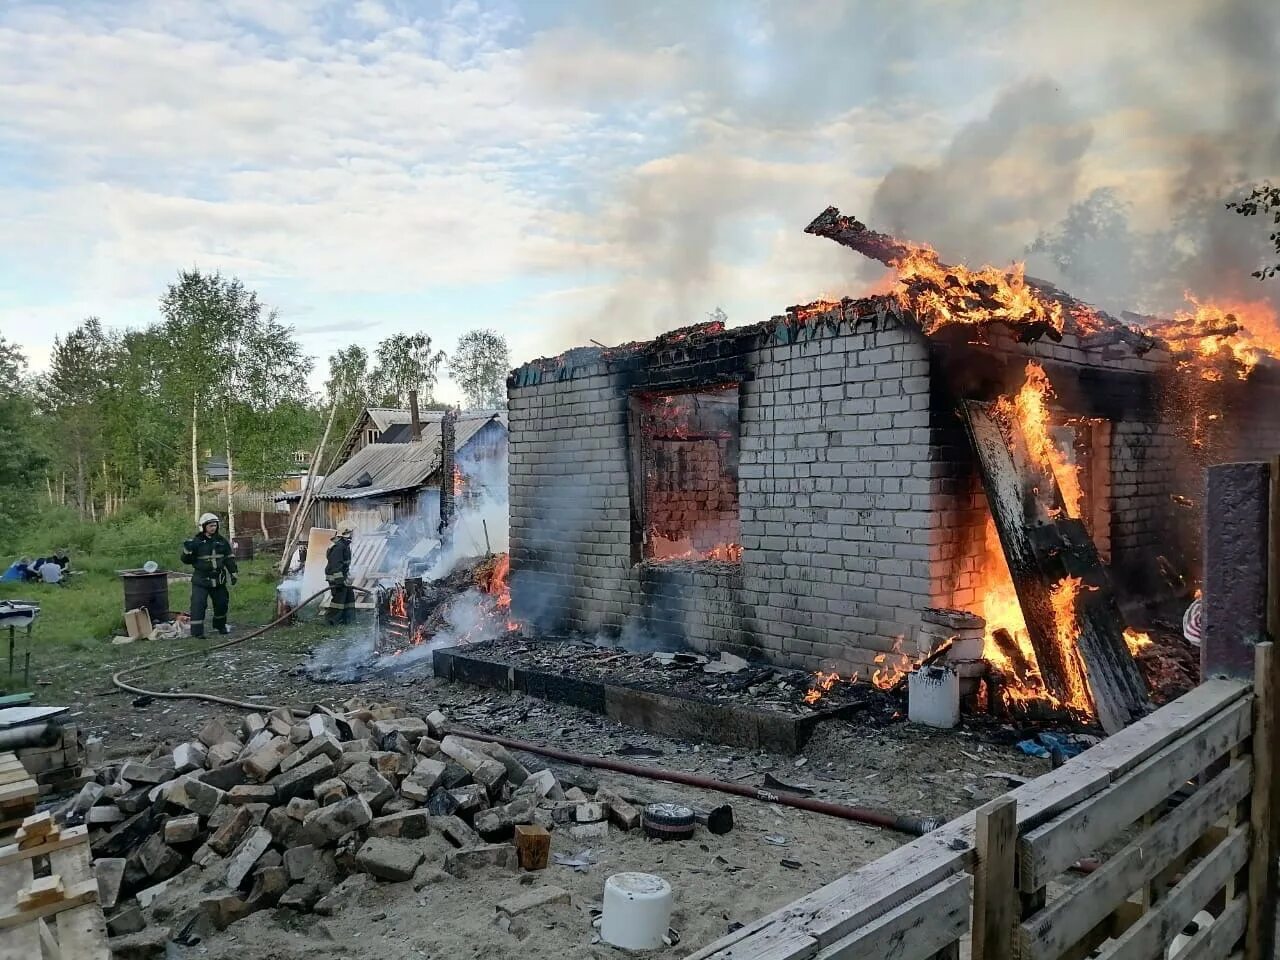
(555, 170)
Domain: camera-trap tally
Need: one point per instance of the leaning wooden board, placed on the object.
(1042, 546)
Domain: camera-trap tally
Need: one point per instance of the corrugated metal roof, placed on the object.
(393, 467)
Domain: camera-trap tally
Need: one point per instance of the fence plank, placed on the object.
(995, 893)
(839, 907)
(918, 929)
(1215, 941)
(1047, 851)
(1149, 936)
(1070, 918)
(1264, 815)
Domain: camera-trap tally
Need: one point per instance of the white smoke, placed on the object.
(481, 523)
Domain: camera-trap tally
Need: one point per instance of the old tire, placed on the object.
(668, 821)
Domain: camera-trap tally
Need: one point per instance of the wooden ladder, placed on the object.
(68, 895)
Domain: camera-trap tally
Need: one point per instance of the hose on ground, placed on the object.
(877, 818)
(891, 821)
(118, 681)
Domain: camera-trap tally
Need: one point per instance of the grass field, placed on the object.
(70, 643)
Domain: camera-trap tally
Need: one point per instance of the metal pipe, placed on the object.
(876, 818)
(44, 734)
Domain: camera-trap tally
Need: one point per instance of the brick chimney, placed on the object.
(415, 422)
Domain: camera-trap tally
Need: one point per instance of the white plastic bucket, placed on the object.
(637, 911)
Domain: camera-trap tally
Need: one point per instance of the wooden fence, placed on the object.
(1180, 808)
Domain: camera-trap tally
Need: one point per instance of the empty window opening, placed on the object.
(688, 461)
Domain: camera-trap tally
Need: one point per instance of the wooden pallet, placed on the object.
(55, 917)
(18, 793)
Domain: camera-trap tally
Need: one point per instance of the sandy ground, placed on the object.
(719, 881)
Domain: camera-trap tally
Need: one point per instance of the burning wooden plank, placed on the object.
(1064, 589)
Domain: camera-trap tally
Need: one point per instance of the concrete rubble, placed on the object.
(283, 812)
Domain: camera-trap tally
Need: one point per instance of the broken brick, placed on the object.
(224, 839)
(532, 899)
(329, 823)
(264, 762)
(245, 856)
(329, 792)
(409, 825)
(369, 784)
(325, 745)
(470, 860)
(189, 756)
(302, 779)
(181, 829)
(389, 859)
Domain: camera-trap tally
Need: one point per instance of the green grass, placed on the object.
(71, 641)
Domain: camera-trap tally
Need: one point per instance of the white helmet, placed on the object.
(208, 518)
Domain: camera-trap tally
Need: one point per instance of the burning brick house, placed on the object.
(807, 489)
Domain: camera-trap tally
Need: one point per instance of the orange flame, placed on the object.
(889, 672)
(1030, 410)
(822, 682)
(665, 552)
(1240, 332)
(1062, 600)
(1136, 640)
(943, 295)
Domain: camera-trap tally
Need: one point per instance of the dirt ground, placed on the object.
(773, 855)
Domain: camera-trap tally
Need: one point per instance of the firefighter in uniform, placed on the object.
(209, 555)
(337, 571)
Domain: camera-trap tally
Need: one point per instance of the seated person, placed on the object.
(32, 574)
(50, 572)
(61, 559)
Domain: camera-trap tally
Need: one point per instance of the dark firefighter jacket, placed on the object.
(337, 558)
(210, 557)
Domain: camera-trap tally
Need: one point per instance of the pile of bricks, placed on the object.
(282, 810)
(60, 767)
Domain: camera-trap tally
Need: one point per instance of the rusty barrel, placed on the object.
(149, 590)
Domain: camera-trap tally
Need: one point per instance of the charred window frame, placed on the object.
(685, 447)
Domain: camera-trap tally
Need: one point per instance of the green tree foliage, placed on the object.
(405, 362)
(231, 362)
(1264, 200)
(479, 365)
(22, 459)
(72, 395)
(349, 386)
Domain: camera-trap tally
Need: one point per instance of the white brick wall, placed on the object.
(859, 500)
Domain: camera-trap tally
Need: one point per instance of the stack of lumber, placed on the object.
(56, 914)
(18, 792)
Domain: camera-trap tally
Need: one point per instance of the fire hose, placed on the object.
(116, 678)
(877, 818)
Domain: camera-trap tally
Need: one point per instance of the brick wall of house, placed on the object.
(835, 516)
(859, 499)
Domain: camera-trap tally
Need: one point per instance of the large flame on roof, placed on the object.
(1239, 332)
(942, 294)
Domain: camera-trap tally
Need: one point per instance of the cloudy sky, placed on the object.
(582, 168)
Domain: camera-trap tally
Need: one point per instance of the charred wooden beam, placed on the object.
(855, 235)
(1043, 549)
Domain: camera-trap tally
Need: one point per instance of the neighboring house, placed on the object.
(381, 425)
(394, 479)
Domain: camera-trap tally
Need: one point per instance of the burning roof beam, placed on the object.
(1031, 308)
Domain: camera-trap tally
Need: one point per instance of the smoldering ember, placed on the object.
(931, 617)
